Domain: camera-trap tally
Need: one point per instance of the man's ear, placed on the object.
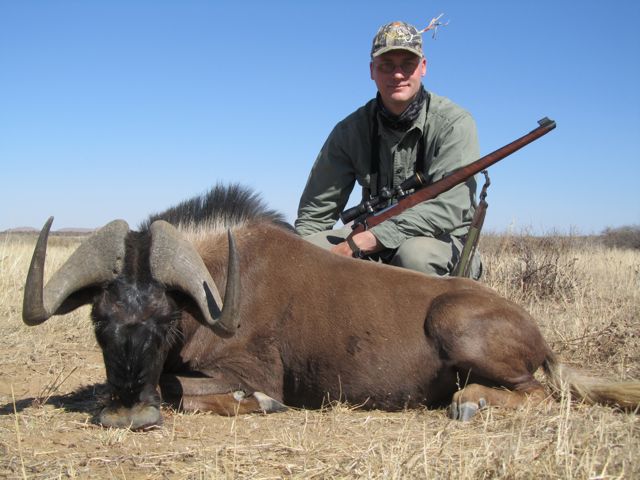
(371, 69)
(423, 66)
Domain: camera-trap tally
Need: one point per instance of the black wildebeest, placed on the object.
(298, 325)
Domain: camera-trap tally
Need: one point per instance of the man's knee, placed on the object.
(429, 255)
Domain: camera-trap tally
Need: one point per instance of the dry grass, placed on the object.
(587, 300)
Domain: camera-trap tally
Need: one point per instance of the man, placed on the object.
(403, 130)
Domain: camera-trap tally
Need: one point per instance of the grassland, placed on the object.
(585, 296)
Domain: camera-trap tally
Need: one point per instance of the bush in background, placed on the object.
(622, 237)
(531, 268)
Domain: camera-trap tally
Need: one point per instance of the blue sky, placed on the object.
(117, 109)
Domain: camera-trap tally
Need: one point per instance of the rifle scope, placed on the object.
(378, 202)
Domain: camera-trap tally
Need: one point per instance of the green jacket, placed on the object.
(450, 142)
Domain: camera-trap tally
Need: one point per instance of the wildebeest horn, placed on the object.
(96, 260)
(176, 263)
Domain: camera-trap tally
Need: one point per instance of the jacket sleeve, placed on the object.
(456, 147)
(328, 187)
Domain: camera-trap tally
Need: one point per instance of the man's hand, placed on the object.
(365, 241)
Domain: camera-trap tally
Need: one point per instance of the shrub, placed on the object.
(622, 237)
(534, 268)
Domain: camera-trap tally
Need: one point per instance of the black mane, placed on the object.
(223, 205)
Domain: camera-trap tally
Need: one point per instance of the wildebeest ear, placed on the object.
(97, 260)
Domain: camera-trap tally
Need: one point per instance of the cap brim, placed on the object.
(382, 50)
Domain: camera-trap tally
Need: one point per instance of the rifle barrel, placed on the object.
(458, 176)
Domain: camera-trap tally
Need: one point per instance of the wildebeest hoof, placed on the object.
(137, 417)
(466, 410)
(268, 404)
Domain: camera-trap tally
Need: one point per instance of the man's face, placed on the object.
(398, 76)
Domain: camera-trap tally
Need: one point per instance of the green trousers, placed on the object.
(433, 256)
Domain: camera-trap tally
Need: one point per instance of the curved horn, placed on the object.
(96, 260)
(175, 262)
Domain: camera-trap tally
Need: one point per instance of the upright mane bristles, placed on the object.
(221, 208)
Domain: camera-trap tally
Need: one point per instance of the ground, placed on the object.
(586, 298)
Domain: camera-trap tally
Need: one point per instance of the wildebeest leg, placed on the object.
(496, 349)
(207, 394)
(232, 403)
(470, 399)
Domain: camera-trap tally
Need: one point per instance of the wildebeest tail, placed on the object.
(590, 389)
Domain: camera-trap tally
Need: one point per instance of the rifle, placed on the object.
(376, 210)
(463, 267)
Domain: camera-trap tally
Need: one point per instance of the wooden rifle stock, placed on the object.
(458, 176)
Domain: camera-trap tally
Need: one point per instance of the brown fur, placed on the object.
(317, 327)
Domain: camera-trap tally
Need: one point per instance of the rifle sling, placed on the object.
(374, 169)
(355, 250)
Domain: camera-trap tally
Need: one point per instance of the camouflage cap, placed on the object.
(397, 36)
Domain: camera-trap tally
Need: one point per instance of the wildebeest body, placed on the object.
(300, 326)
(306, 337)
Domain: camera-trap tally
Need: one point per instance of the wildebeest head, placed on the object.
(129, 278)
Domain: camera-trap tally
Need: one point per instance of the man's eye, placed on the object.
(406, 67)
(409, 67)
(386, 67)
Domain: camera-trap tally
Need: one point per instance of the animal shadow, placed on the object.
(88, 399)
